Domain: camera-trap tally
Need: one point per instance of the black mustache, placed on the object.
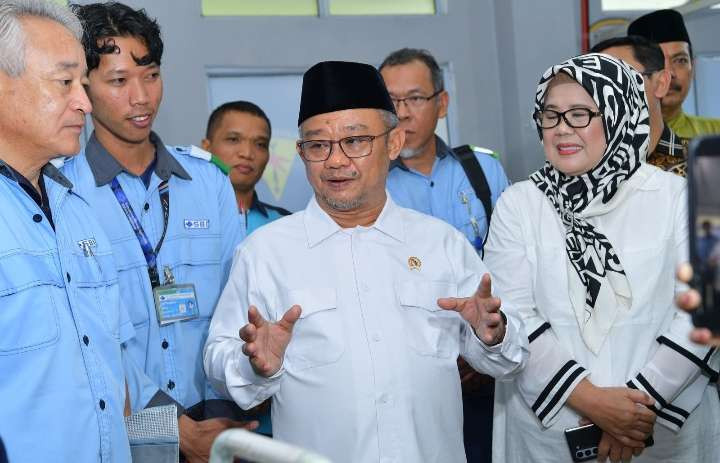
(349, 176)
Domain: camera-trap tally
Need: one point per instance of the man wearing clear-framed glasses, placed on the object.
(428, 175)
(351, 313)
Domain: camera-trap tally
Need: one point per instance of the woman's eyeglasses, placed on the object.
(576, 118)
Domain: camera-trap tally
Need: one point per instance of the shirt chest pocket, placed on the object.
(429, 330)
(651, 273)
(318, 335)
(551, 290)
(197, 260)
(134, 281)
(95, 282)
(28, 313)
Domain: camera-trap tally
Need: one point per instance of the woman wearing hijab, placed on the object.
(585, 252)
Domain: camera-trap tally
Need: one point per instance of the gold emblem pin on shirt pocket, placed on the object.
(414, 263)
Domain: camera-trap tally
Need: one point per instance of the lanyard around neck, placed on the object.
(147, 249)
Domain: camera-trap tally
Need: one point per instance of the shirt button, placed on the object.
(102, 404)
(86, 340)
(146, 206)
(376, 337)
(171, 385)
(67, 275)
(37, 218)
(165, 344)
(432, 184)
(383, 399)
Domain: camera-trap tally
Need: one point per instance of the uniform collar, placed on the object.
(319, 225)
(681, 116)
(441, 151)
(48, 170)
(258, 205)
(7, 170)
(105, 167)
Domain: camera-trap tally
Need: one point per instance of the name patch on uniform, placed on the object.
(197, 224)
(87, 246)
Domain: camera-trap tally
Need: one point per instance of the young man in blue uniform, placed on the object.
(238, 133)
(61, 322)
(429, 177)
(165, 210)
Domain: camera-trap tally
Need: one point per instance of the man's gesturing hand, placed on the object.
(265, 342)
(482, 311)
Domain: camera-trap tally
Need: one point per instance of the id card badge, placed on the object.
(174, 303)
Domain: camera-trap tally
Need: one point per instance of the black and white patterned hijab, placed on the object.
(598, 286)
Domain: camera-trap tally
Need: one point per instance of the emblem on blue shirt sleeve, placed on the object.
(197, 224)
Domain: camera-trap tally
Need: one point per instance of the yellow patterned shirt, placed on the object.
(687, 126)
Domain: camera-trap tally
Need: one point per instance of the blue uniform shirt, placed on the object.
(447, 193)
(201, 236)
(61, 325)
(261, 213)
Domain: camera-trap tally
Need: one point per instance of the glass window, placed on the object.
(381, 7)
(259, 8)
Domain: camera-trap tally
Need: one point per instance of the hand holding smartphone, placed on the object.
(583, 442)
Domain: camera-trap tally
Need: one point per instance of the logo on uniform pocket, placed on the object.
(193, 224)
(87, 246)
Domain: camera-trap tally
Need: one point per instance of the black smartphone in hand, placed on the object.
(583, 442)
(704, 228)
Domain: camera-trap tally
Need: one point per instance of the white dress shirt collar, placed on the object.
(319, 225)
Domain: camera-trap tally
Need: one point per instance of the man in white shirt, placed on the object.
(352, 313)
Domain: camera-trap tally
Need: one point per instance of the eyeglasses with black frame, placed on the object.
(356, 146)
(414, 101)
(577, 118)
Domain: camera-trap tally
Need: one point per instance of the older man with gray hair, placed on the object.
(61, 369)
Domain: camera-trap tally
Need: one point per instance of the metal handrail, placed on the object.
(259, 449)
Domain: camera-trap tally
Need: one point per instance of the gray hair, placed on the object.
(389, 119)
(12, 35)
(408, 55)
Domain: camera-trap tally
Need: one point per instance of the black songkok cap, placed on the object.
(336, 85)
(660, 26)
